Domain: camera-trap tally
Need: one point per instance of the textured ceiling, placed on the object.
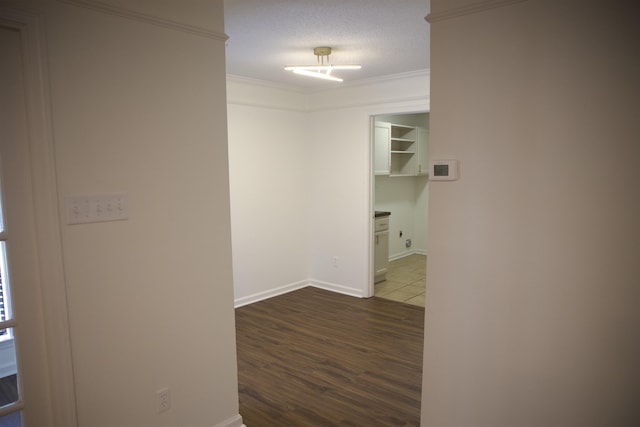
(385, 36)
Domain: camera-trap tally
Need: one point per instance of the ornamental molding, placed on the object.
(476, 7)
(146, 18)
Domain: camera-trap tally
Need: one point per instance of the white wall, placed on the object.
(138, 106)
(341, 215)
(420, 219)
(400, 196)
(412, 119)
(269, 171)
(340, 211)
(532, 314)
(327, 134)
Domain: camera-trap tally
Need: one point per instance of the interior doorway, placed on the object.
(30, 233)
(400, 204)
(21, 331)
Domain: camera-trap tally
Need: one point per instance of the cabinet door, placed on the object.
(381, 253)
(422, 167)
(381, 141)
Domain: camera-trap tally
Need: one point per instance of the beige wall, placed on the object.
(532, 312)
(138, 106)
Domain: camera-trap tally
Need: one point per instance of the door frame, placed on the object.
(413, 107)
(30, 25)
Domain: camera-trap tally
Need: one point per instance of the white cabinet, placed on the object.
(381, 249)
(423, 149)
(381, 140)
(403, 149)
(400, 150)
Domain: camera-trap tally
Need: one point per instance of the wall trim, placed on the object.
(407, 253)
(146, 18)
(233, 78)
(259, 296)
(235, 421)
(267, 105)
(231, 100)
(309, 108)
(376, 80)
(409, 100)
(334, 287)
(479, 6)
(413, 102)
(31, 26)
(281, 290)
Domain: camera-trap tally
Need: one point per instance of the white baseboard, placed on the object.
(235, 421)
(250, 299)
(407, 253)
(334, 287)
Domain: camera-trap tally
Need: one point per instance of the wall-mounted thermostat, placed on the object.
(443, 170)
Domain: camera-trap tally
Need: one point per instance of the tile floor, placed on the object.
(406, 280)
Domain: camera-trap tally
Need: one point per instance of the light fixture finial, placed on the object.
(322, 51)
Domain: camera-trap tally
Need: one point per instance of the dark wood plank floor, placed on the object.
(317, 358)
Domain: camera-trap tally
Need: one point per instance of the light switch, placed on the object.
(97, 208)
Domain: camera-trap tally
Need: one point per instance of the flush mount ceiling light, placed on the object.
(323, 68)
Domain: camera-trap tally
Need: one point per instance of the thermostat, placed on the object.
(443, 170)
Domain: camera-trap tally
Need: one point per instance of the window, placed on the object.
(5, 309)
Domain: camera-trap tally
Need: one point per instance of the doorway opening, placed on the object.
(399, 202)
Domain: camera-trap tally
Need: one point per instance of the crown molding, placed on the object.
(389, 78)
(416, 102)
(268, 105)
(476, 7)
(234, 78)
(146, 18)
(337, 102)
(294, 99)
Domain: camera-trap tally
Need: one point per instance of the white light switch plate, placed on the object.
(97, 208)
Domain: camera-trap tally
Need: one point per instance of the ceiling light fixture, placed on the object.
(321, 70)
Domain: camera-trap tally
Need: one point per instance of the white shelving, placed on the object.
(400, 150)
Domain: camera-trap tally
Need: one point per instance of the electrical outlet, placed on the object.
(163, 399)
(335, 261)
